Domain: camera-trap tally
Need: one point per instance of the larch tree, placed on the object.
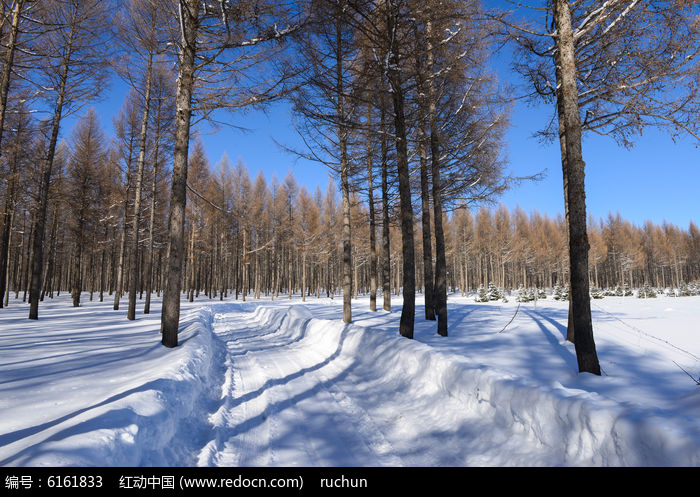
(162, 119)
(71, 71)
(15, 161)
(15, 17)
(141, 28)
(464, 117)
(219, 46)
(88, 154)
(126, 126)
(385, 32)
(611, 68)
(326, 109)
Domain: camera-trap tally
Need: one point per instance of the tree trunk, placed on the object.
(131, 313)
(122, 253)
(5, 282)
(429, 293)
(425, 224)
(576, 196)
(344, 173)
(372, 219)
(440, 260)
(170, 317)
(406, 208)
(77, 280)
(151, 224)
(47, 168)
(386, 240)
(570, 334)
(7, 224)
(8, 63)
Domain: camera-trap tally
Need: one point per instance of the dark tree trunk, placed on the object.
(77, 281)
(386, 239)
(10, 49)
(7, 224)
(429, 292)
(151, 224)
(122, 250)
(372, 220)
(344, 173)
(440, 260)
(406, 208)
(131, 312)
(40, 221)
(562, 148)
(576, 195)
(170, 318)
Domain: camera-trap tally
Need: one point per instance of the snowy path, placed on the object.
(284, 403)
(298, 391)
(302, 390)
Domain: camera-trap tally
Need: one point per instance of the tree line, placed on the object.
(258, 238)
(396, 97)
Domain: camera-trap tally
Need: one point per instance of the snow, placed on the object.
(286, 383)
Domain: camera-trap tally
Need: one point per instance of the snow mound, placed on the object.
(565, 426)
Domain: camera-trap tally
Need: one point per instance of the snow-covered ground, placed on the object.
(286, 383)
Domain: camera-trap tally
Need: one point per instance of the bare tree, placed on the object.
(215, 44)
(19, 9)
(611, 68)
(71, 72)
(142, 33)
(87, 156)
(324, 102)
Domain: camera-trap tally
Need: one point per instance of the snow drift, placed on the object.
(564, 426)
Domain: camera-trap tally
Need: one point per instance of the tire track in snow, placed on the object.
(361, 440)
(281, 403)
(381, 449)
(238, 400)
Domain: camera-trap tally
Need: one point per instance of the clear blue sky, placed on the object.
(656, 180)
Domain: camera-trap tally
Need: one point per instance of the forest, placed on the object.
(396, 100)
(276, 239)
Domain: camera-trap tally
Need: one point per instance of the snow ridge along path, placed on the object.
(87, 390)
(313, 392)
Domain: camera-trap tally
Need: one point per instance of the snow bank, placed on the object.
(566, 426)
(146, 408)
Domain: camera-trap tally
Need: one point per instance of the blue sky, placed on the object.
(657, 180)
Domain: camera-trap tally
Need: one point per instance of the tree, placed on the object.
(87, 156)
(127, 128)
(209, 33)
(610, 64)
(140, 29)
(17, 14)
(323, 100)
(71, 72)
(17, 155)
(162, 120)
(394, 21)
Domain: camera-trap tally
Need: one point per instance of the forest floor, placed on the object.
(286, 383)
